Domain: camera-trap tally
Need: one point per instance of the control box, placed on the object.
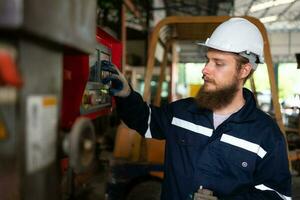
(95, 95)
(84, 94)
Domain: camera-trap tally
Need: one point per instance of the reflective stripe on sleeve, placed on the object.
(263, 188)
(192, 127)
(244, 144)
(148, 132)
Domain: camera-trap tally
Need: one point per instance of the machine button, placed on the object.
(92, 99)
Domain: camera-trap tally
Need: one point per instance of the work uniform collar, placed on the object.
(244, 114)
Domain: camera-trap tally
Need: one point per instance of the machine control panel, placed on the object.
(84, 94)
(95, 96)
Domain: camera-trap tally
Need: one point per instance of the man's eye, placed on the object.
(219, 64)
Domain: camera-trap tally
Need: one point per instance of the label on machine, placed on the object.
(41, 131)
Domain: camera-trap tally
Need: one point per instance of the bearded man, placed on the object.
(219, 145)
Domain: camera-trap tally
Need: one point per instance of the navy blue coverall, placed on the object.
(244, 158)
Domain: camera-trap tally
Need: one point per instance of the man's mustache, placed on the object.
(207, 79)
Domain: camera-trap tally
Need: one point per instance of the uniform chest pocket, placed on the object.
(238, 154)
(237, 158)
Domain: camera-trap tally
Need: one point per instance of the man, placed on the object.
(219, 145)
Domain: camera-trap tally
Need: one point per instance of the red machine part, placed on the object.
(75, 77)
(9, 74)
(112, 43)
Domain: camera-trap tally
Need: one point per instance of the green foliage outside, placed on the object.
(288, 78)
(261, 79)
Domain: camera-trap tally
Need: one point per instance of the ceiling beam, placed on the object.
(264, 13)
(132, 8)
(280, 15)
(297, 17)
(249, 7)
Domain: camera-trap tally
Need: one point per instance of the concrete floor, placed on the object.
(296, 188)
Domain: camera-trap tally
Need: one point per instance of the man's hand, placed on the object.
(204, 194)
(119, 85)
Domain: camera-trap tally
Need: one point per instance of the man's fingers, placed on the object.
(119, 85)
(204, 197)
(106, 80)
(108, 66)
(205, 191)
(111, 77)
(204, 194)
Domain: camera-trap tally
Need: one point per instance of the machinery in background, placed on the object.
(86, 107)
(32, 45)
(83, 92)
(53, 105)
(291, 117)
(128, 177)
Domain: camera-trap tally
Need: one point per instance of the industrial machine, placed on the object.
(83, 92)
(51, 96)
(86, 105)
(32, 45)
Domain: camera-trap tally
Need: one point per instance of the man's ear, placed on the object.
(245, 70)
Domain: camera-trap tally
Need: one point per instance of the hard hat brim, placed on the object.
(261, 60)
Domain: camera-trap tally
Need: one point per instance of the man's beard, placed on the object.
(219, 98)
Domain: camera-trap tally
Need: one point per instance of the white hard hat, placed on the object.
(238, 35)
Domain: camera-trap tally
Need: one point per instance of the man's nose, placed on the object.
(206, 70)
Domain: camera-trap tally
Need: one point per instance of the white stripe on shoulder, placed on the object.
(148, 132)
(244, 144)
(263, 188)
(192, 127)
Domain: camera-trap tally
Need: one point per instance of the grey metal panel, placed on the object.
(11, 13)
(65, 23)
(69, 22)
(41, 69)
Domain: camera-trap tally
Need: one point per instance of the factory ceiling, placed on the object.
(278, 16)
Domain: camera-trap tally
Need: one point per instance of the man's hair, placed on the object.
(240, 61)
